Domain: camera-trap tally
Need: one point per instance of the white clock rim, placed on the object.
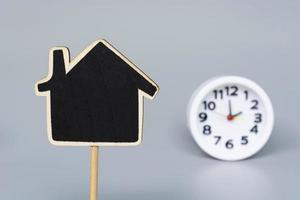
(203, 90)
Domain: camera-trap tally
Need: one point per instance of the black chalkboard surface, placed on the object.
(96, 99)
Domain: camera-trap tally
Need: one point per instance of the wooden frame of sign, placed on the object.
(94, 100)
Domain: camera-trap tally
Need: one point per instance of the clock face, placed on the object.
(231, 118)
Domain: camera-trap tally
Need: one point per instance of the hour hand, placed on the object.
(232, 117)
(239, 113)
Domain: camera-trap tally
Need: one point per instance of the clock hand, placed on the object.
(230, 108)
(220, 114)
(232, 117)
(237, 114)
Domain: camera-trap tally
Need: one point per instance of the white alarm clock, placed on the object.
(230, 118)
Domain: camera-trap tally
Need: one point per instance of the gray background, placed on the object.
(179, 44)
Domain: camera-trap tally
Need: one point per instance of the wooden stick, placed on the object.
(94, 173)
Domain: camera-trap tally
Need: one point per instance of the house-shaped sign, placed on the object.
(95, 99)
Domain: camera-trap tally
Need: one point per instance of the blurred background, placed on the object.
(179, 44)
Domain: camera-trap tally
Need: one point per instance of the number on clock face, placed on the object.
(231, 117)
